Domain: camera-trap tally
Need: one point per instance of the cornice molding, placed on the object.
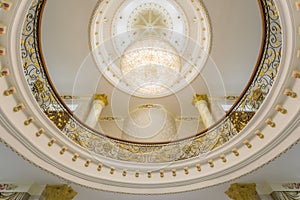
(214, 170)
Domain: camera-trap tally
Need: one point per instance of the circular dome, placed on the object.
(128, 167)
(184, 41)
(150, 66)
(150, 18)
(149, 123)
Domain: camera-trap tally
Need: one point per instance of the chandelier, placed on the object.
(150, 66)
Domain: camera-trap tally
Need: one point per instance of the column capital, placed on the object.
(101, 97)
(54, 192)
(199, 97)
(242, 191)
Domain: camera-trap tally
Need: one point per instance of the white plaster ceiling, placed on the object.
(285, 169)
(236, 42)
(236, 37)
(14, 169)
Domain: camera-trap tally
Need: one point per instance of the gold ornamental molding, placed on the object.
(14, 195)
(59, 192)
(101, 97)
(81, 165)
(202, 143)
(199, 97)
(242, 192)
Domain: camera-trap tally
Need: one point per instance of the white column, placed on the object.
(201, 103)
(99, 102)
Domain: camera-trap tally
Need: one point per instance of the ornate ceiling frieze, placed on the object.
(89, 158)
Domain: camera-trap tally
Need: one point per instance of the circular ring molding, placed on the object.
(26, 128)
(183, 24)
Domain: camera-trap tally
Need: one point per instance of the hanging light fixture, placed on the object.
(150, 66)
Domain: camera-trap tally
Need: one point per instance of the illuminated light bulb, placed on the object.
(137, 174)
(40, 132)
(259, 134)
(28, 121)
(112, 171)
(9, 91)
(174, 172)
(290, 93)
(99, 167)
(6, 4)
(4, 72)
(247, 143)
(52, 141)
(211, 163)
(281, 109)
(87, 163)
(63, 150)
(124, 172)
(296, 74)
(186, 170)
(2, 51)
(198, 167)
(270, 123)
(75, 157)
(235, 151)
(162, 173)
(223, 158)
(19, 107)
(2, 29)
(149, 174)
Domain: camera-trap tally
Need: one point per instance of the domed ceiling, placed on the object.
(150, 96)
(190, 38)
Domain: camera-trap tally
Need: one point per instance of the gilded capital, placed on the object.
(54, 192)
(199, 97)
(242, 191)
(101, 97)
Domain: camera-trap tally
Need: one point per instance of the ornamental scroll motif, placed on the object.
(291, 186)
(242, 192)
(285, 195)
(98, 144)
(7, 187)
(14, 196)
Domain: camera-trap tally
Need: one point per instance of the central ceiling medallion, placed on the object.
(150, 48)
(150, 18)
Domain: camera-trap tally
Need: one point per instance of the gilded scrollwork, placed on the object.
(291, 186)
(14, 195)
(240, 119)
(8, 187)
(199, 145)
(53, 192)
(242, 192)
